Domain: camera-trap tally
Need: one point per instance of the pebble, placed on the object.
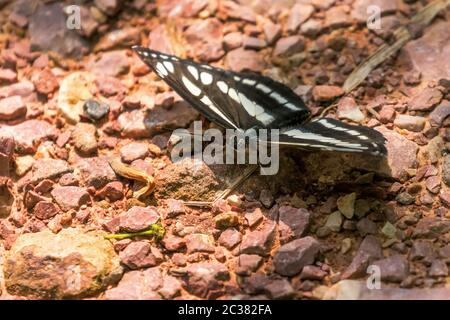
(405, 198)
(393, 269)
(299, 13)
(95, 110)
(45, 210)
(96, 172)
(12, 108)
(347, 109)
(254, 217)
(366, 226)
(368, 251)
(291, 257)
(45, 82)
(70, 197)
(260, 241)
(272, 31)
(425, 100)
(248, 263)
(205, 39)
(140, 254)
(84, 138)
(411, 123)
(233, 40)
(325, 93)
(438, 268)
(111, 64)
(199, 243)
(133, 151)
(346, 205)
(138, 219)
(242, 60)
(293, 223)
(334, 222)
(230, 238)
(288, 46)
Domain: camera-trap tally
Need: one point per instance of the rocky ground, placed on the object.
(71, 98)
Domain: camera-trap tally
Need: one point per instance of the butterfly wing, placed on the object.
(332, 135)
(230, 99)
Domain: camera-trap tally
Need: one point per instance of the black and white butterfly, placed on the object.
(245, 101)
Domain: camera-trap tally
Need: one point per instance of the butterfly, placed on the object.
(242, 101)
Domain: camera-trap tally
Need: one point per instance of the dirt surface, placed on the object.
(70, 99)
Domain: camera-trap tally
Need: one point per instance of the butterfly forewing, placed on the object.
(231, 99)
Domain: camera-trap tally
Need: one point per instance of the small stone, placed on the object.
(425, 100)
(84, 138)
(173, 243)
(254, 217)
(393, 269)
(346, 205)
(205, 277)
(389, 230)
(299, 13)
(110, 7)
(422, 250)
(111, 64)
(446, 170)
(386, 114)
(70, 197)
(137, 285)
(241, 60)
(290, 258)
(346, 245)
(198, 242)
(411, 123)
(259, 242)
(253, 43)
(7, 76)
(12, 108)
(140, 254)
(272, 32)
(337, 17)
(226, 220)
(23, 164)
(362, 207)
(440, 113)
(96, 172)
(205, 39)
(334, 222)
(48, 169)
(326, 93)
(230, 238)
(45, 82)
(266, 198)
(288, 46)
(233, 40)
(348, 109)
(438, 268)
(95, 110)
(433, 184)
(45, 210)
(113, 191)
(293, 223)
(133, 151)
(171, 287)
(366, 226)
(138, 219)
(248, 263)
(279, 289)
(312, 273)
(405, 198)
(369, 251)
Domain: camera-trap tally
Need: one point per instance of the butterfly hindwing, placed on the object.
(230, 99)
(332, 135)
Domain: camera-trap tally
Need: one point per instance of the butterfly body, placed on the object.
(242, 101)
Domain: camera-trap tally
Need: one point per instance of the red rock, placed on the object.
(110, 7)
(293, 256)
(326, 93)
(45, 82)
(312, 273)
(137, 285)
(241, 60)
(299, 13)
(22, 89)
(138, 219)
(7, 145)
(360, 8)
(293, 223)
(433, 184)
(429, 53)
(386, 114)
(272, 31)
(248, 263)
(402, 153)
(173, 243)
(113, 191)
(234, 11)
(230, 238)
(8, 76)
(425, 100)
(160, 40)
(311, 28)
(254, 217)
(438, 269)
(440, 113)
(140, 254)
(445, 198)
(44, 186)
(199, 243)
(29, 134)
(179, 259)
(411, 123)
(68, 179)
(173, 208)
(84, 138)
(133, 151)
(70, 197)
(124, 37)
(259, 242)
(96, 172)
(206, 279)
(48, 169)
(369, 251)
(112, 64)
(110, 86)
(337, 17)
(393, 269)
(204, 37)
(171, 287)
(233, 40)
(289, 46)
(253, 43)
(45, 210)
(348, 109)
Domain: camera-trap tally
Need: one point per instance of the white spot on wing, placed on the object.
(278, 98)
(233, 94)
(210, 104)
(263, 88)
(161, 70)
(206, 78)
(169, 66)
(249, 82)
(193, 70)
(222, 86)
(192, 88)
